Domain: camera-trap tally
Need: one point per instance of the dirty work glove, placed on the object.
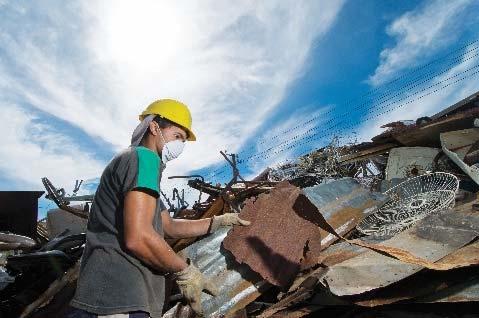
(192, 282)
(226, 219)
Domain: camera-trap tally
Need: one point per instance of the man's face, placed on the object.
(174, 133)
(169, 133)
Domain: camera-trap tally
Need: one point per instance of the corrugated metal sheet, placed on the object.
(428, 134)
(238, 285)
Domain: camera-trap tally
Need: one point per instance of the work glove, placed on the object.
(192, 283)
(226, 220)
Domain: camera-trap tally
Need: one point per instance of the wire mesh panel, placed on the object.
(410, 201)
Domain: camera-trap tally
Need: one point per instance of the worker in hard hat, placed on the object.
(126, 258)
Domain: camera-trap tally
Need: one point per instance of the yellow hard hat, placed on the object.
(172, 110)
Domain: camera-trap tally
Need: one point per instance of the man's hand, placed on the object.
(226, 220)
(192, 283)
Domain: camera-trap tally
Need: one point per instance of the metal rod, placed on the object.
(188, 177)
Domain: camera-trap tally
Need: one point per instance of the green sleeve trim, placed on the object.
(148, 169)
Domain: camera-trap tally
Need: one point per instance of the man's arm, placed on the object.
(140, 237)
(177, 228)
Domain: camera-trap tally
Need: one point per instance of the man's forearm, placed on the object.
(189, 228)
(153, 250)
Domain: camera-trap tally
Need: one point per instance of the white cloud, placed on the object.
(431, 104)
(419, 34)
(31, 150)
(230, 62)
(97, 65)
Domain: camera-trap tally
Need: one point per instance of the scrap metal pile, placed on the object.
(387, 228)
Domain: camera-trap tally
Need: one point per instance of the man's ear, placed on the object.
(153, 127)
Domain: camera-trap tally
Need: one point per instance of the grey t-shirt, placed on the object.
(111, 279)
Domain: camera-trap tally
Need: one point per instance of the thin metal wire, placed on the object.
(265, 154)
(387, 92)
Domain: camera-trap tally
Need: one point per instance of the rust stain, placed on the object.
(279, 240)
(346, 219)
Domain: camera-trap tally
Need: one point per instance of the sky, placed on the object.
(268, 80)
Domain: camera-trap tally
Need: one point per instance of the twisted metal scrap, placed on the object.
(410, 202)
(325, 162)
(318, 164)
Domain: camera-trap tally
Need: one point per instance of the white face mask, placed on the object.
(171, 149)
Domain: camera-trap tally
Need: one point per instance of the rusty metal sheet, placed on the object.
(372, 151)
(343, 203)
(431, 239)
(238, 285)
(279, 239)
(428, 135)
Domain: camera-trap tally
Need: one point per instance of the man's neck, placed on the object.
(149, 143)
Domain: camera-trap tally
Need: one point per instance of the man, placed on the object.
(126, 257)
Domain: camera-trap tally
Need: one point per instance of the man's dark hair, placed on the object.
(165, 123)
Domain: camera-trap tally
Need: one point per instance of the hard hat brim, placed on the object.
(191, 135)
